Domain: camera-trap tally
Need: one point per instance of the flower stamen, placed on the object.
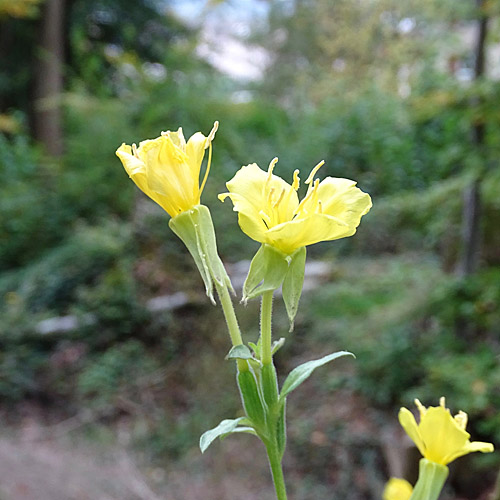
(207, 170)
(265, 218)
(280, 198)
(461, 419)
(313, 171)
(421, 408)
(311, 193)
(211, 135)
(270, 169)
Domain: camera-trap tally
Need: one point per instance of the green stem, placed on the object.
(231, 321)
(266, 311)
(431, 479)
(277, 471)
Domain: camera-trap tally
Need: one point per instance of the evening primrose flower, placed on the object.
(269, 210)
(167, 168)
(397, 489)
(440, 437)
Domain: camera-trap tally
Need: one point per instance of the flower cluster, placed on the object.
(168, 170)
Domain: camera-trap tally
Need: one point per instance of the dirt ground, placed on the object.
(61, 468)
(53, 470)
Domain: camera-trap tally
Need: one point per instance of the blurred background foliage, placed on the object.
(389, 93)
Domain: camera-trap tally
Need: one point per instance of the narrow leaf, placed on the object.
(225, 427)
(245, 430)
(277, 345)
(239, 352)
(302, 372)
(256, 348)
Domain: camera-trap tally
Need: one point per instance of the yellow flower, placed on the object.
(397, 489)
(440, 437)
(269, 210)
(167, 168)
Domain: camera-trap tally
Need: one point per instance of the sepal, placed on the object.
(270, 268)
(293, 283)
(267, 272)
(195, 228)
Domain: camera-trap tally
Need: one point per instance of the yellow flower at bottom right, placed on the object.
(397, 489)
(440, 437)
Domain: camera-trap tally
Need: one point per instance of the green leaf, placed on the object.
(267, 272)
(277, 345)
(293, 283)
(223, 429)
(246, 430)
(239, 352)
(302, 372)
(256, 347)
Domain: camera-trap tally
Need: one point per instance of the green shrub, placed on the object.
(52, 281)
(124, 372)
(30, 208)
(115, 307)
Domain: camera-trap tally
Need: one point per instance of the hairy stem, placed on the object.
(277, 470)
(266, 310)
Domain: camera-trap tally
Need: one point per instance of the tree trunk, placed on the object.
(471, 215)
(48, 78)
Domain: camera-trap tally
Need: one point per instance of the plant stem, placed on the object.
(266, 311)
(431, 479)
(277, 471)
(231, 321)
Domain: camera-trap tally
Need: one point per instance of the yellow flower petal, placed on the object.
(298, 233)
(341, 198)
(269, 210)
(131, 164)
(136, 170)
(250, 221)
(471, 448)
(441, 435)
(167, 169)
(195, 150)
(397, 489)
(409, 424)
